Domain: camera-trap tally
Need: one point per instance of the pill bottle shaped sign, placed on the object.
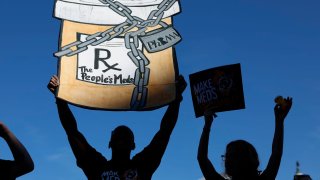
(117, 55)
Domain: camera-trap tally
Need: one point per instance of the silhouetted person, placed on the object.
(120, 167)
(22, 163)
(241, 158)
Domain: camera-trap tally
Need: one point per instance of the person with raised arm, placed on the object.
(22, 163)
(241, 158)
(120, 166)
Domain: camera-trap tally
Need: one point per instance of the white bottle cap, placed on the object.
(95, 12)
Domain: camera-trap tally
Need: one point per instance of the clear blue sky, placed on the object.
(276, 42)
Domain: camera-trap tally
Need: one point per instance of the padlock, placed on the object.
(103, 63)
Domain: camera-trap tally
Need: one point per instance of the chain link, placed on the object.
(132, 21)
(142, 73)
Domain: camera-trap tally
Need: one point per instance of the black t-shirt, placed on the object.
(6, 170)
(97, 167)
(141, 167)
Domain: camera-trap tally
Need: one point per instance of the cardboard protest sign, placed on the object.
(117, 55)
(219, 89)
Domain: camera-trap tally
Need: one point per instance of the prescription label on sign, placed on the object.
(107, 63)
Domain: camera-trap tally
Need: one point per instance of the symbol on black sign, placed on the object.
(97, 58)
(225, 83)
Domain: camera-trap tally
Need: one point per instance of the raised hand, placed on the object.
(209, 115)
(53, 83)
(181, 86)
(3, 129)
(282, 109)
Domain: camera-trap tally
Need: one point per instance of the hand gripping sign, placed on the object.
(117, 54)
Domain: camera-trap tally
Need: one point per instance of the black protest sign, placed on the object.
(219, 89)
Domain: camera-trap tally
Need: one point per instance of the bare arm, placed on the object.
(280, 112)
(167, 125)
(155, 150)
(170, 117)
(77, 141)
(22, 163)
(205, 164)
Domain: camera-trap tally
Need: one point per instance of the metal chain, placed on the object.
(141, 79)
(132, 21)
(142, 73)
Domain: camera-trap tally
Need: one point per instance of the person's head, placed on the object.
(241, 159)
(122, 139)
